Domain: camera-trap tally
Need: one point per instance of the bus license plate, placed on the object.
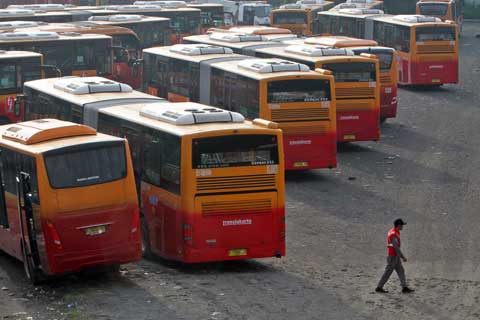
(237, 252)
(349, 137)
(95, 231)
(300, 164)
(435, 80)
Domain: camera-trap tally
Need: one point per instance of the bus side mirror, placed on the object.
(17, 105)
(51, 68)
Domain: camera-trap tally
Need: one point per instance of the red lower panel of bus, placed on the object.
(314, 151)
(358, 126)
(236, 232)
(124, 73)
(428, 72)
(93, 238)
(388, 102)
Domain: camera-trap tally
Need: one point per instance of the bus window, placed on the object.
(86, 165)
(433, 9)
(162, 161)
(234, 151)
(290, 18)
(84, 56)
(8, 79)
(308, 90)
(352, 72)
(435, 34)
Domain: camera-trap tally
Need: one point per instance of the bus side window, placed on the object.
(217, 89)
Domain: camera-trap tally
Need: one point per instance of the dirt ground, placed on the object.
(425, 169)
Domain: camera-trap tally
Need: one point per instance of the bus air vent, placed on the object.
(415, 18)
(360, 11)
(28, 35)
(185, 113)
(86, 85)
(310, 2)
(134, 8)
(199, 49)
(125, 17)
(226, 37)
(292, 6)
(17, 24)
(318, 51)
(271, 65)
(16, 12)
(346, 6)
(360, 1)
(169, 4)
(36, 131)
(38, 7)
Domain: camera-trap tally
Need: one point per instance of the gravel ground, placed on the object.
(425, 169)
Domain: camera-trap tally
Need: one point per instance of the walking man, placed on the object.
(394, 259)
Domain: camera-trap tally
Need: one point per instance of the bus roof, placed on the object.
(80, 27)
(340, 41)
(257, 30)
(411, 20)
(39, 136)
(204, 5)
(168, 52)
(38, 36)
(281, 52)
(50, 86)
(18, 54)
(136, 9)
(248, 67)
(234, 45)
(350, 13)
(119, 19)
(133, 113)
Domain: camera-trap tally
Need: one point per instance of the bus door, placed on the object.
(31, 260)
(161, 80)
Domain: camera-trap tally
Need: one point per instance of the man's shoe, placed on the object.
(380, 290)
(407, 290)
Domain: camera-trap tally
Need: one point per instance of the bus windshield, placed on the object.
(290, 18)
(436, 34)
(262, 11)
(384, 57)
(352, 72)
(234, 151)
(85, 165)
(433, 9)
(302, 90)
(14, 74)
(8, 78)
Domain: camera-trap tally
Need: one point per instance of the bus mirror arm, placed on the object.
(53, 68)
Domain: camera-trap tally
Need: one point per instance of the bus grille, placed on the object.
(311, 114)
(349, 93)
(436, 49)
(237, 206)
(317, 129)
(236, 182)
(385, 79)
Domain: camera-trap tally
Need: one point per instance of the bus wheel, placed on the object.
(146, 250)
(32, 275)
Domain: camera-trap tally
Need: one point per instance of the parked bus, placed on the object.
(16, 67)
(31, 15)
(300, 100)
(184, 21)
(356, 86)
(77, 99)
(426, 46)
(239, 42)
(298, 17)
(212, 184)
(444, 9)
(399, 6)
(212, 14)
(388, 67)
(151, 31)
(67, 198)
(72, 53)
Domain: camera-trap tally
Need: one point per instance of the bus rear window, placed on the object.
(306, 90)
(433, 9)
(85, 165)
(384, 57)
(290, 18)
(234, 151)
(352, 72)
(436, 34)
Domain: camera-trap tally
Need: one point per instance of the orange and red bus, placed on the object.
(72, 53)
(426, 46)
(16, 67)
(68, 199)
(298, 17)
(301, 101)
(444, 9)
(388, 67)
(356, 86)
(212, 184)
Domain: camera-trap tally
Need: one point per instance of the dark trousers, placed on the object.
(393, 263)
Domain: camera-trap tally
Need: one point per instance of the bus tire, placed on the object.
(32, 275)
(146, 249)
